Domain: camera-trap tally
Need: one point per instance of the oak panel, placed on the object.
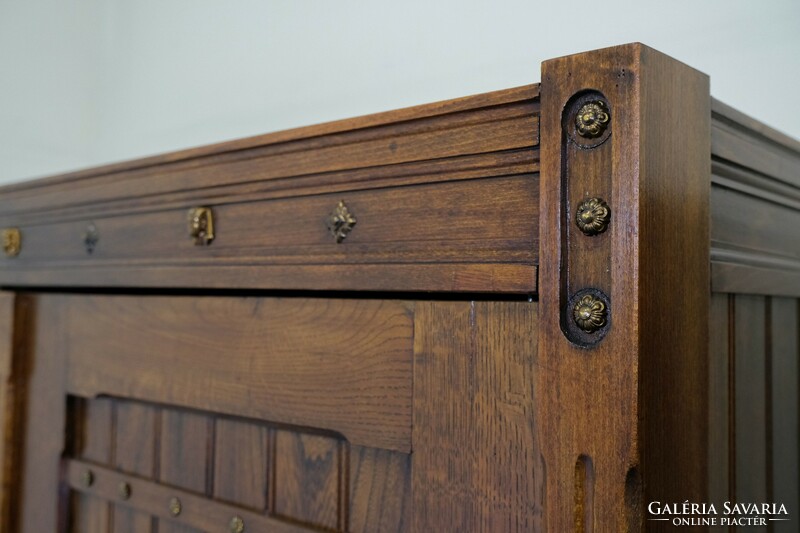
(751, 396)
(44, 412)
(135, 444)
(92, 428)
(342, 365)
(476, 464)
(308, 479)
(784, 335)
(185, 443)
(241, 463)
(380, 490)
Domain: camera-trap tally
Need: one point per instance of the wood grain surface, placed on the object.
(477, 464)
(755, 206)
(629, 403)
(753, 413)
(418, 182)
(342, 365)
(42, 505)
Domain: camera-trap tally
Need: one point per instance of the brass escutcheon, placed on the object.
(593, 216)
(237, 525)
(590, 313)
(87, 478)
(12, 241)
(201, 225)
(340, 222)
(175, 506)
(124, 490)
(592, 119)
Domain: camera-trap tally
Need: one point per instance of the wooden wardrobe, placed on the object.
(536, 309)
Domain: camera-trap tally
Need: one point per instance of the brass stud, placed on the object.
(124, 490)
(237, 525)
(175, 506)
(590, 313)
(87, 478)
(201, 225)
(340, 222)
(593, 216)
(90, 238)
(592, 119)
(12, 241)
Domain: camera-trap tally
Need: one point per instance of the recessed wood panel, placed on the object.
(308, 479)
(241, 460)
(380, 490)
(341, 365)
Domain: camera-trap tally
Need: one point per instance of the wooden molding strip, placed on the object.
(154, 498)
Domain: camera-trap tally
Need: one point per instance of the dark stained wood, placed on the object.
(755, 206)
(308, 479)
(45, 410)
(475, 465)
(15, 323)
(294, 361)
(751, 413)
(418, 187)
(745, 141)
(90, 514)
(755, 240)
(241, 460)
(748, 279)
(720, 425)
(494, 130)
(357, 413)
(425, 111)
(380, 490)
(630, 402)
(450, 223)
(784, 336)
(460, 277)
(135, 442)
(7, 412)
(92, 430)
(185, 445)
(199, 512)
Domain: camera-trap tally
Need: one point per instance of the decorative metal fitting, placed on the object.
(590, 313)
(12, 241)
(201, 225)
(592, 119)
(593, 216)
(340, 222)
(236, 525)
(87, 478)
(90, 238)
(124, 490)
(175, 506)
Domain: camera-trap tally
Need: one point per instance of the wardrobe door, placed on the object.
(192, 414)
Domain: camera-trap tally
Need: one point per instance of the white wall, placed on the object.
(85, 82)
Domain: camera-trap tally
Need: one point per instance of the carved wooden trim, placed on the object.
(608, 403)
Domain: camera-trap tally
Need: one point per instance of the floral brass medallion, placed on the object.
(593, 216)
(340, 222)
(592, 119)
(590, 313)
(236, 525)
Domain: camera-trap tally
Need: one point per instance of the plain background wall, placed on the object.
(86, 82)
